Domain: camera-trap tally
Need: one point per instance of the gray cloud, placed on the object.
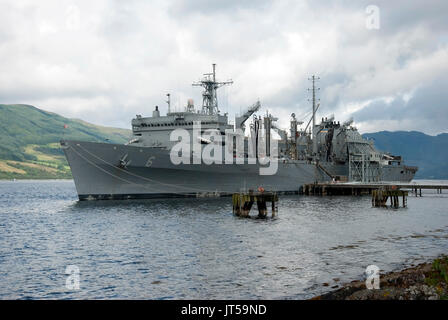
(105, 61)
(206, 7)
(426, 109)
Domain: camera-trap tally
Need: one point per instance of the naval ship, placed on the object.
(320, 151)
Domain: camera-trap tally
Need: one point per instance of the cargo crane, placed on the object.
(239, 121)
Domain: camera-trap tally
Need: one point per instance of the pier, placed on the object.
(243, 202)
(358, 189)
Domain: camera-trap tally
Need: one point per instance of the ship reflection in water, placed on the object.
(196, 248)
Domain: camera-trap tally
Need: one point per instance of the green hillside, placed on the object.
(29, 141)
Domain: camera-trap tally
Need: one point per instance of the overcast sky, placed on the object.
(105, 61)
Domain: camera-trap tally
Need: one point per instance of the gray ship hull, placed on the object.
(149, 173)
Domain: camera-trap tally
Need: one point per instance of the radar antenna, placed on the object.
(209, 96)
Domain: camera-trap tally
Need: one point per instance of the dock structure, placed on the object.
(243, 202)
(417, 189)
(324, 189)
(381, 195)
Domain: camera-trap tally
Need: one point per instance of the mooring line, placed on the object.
(138, 176)
(107, 172)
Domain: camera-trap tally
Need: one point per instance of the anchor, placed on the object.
(123, 163)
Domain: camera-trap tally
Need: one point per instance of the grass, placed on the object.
(438, 276)
(50, 163)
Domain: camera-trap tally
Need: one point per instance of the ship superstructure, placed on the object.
(155, 131)
(143, 168)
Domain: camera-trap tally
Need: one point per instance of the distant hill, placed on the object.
(29, 141)
(429, 153)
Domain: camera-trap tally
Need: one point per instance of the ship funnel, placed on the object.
(156, 113)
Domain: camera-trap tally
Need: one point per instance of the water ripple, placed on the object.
(196, 248)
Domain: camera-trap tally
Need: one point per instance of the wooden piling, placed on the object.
(381, 195)
(243, 202)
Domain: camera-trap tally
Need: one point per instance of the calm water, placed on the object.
(196, 248)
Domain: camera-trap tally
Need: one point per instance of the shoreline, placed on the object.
(425, 281)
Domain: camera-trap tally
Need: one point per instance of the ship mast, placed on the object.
(209, 96)
(313, 89)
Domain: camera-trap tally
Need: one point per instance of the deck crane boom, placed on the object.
(282, 133)
(240, 120)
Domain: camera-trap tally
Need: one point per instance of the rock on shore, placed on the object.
(427, 281)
